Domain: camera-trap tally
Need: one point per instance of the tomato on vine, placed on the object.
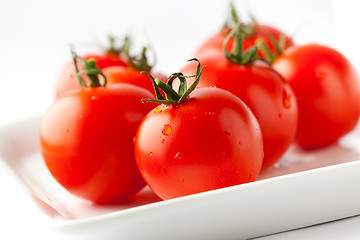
(86, 137)
(197, 140)
(263, 90)
(327, 87)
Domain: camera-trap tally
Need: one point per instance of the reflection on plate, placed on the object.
(302, 189)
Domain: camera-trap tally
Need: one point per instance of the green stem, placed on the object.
(114, 46)
(234, 16)
(249, 29)
(268, 55)
(154, 82)
(279, 46)
(237, 55)
(139, 62)
(171, 96)
(195, 83)
(90, 70)
(168, 90)
(274, 42)
(182, 85)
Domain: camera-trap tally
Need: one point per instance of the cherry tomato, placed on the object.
(265, 92)
(328, 93)
(120, 74)
(86, 140)
(209, 140)
(67, 79)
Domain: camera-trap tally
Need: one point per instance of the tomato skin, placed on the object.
(210, 141)
(264, 91)
(215, 43)
(86, 136)
(327, 88)
(120, 74)
(67, 80)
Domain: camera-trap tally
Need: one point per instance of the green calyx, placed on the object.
(122, 48)
(249, 29)
(237, 54)
(139, 62)
(113, 49)
(279, 47)
(171, 96)
(90, 70)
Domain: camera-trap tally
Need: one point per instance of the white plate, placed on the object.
(303, 189)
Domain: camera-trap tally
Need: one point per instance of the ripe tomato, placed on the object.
(328, 93)
(67, 79)
(209, 140)
(266, 93)
(86, 137)
(120, 74)
(259, 31)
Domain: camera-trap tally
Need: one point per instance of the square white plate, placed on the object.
(303, 189)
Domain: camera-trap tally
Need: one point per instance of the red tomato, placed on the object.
(86, 137)
(120, 74)
(67, 79)
(215, 43)
(328, 93)
(208, 141)
(264, 91)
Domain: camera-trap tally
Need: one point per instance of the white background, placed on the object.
(34, 38)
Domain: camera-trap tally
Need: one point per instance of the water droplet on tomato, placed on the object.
(157, 110)
(177, 156)
(150, 154)
(212, 86)
(166, 130)
(94, 97)
(286, 99)
(162, 140)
